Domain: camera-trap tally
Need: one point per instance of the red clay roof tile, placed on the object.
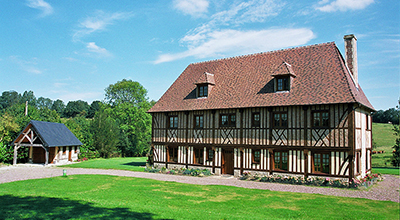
(247, 81)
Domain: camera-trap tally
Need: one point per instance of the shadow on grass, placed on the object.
(13, 207)
(136, 164)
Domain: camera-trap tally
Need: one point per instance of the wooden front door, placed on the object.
(69, 153)
(227, 161)
(38, 155)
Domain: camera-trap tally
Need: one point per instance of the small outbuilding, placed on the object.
(48, 142)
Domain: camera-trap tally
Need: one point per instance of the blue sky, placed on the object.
(72, 50)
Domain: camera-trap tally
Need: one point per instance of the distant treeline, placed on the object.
(117, 126)
(389, 116)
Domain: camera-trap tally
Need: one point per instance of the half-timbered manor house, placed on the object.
(297, 111)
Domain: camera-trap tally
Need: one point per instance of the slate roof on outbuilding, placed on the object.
(319, 71)
(51, 134)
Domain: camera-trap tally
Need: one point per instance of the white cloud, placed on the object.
(27, 65)
(41, 5)
(98, 22)
(213, 39)
(195, 8)
(232, 42)
(93, 48)
(342, 5)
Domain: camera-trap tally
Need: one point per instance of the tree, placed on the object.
(125, 91)
(94, 107)
(396, 147)
(58, 106)
(105, 134)
(9, 98)
(7, 126)
(42, 103)
(75, 108)
(29, 97)
(135, 128)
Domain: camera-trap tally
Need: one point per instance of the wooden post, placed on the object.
(187, 157)
(15, 154)
(271, 161)
(166, 156)
(305, 163)
(241, 160)
(213, 162)
(352, 141)
(47, 156)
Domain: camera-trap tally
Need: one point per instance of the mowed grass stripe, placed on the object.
(110, 197)
(118, 163)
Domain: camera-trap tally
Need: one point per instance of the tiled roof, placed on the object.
(51, 134)
(247, 81)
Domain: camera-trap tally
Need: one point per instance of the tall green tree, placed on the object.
(7, 126)
(58, 106)
(125, 91)
(28, 96)
(9, 98)
(42, 103)
(128, 106)
(75, 108)
(396, 147)
(105, 132)
(135, 127)
(94, 107)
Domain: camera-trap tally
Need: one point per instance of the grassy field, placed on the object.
(110, 197)
(127, 163)
(384, 138)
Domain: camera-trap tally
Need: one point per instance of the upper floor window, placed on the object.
(282, 83)
(320, 119)
(321, 163)
(256, 156)
(280, 120)
(173, 122)
(202, 90)
(255, 119)
(198, 121)
(228, 120)
(281, 160)
(198, 155)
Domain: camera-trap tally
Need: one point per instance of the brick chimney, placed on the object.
(350, 46)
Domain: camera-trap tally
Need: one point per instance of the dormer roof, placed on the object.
(206, 78)
(284, 69)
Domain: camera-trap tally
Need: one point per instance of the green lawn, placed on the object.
(384, 137)
(110, 197)
(127, 163)
(392, 171)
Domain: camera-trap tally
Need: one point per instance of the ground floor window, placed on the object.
(321, 163)
(210, 154)
(198, 155)
(256, 156)
(281, 160)
(173, 154)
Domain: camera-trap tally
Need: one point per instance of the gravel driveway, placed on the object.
(388, 189)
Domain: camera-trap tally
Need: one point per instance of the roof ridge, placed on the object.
(266, 52)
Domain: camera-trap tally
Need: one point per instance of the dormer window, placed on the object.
(204, 85)
(283, 76)
(202, 90)
(282, 83)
